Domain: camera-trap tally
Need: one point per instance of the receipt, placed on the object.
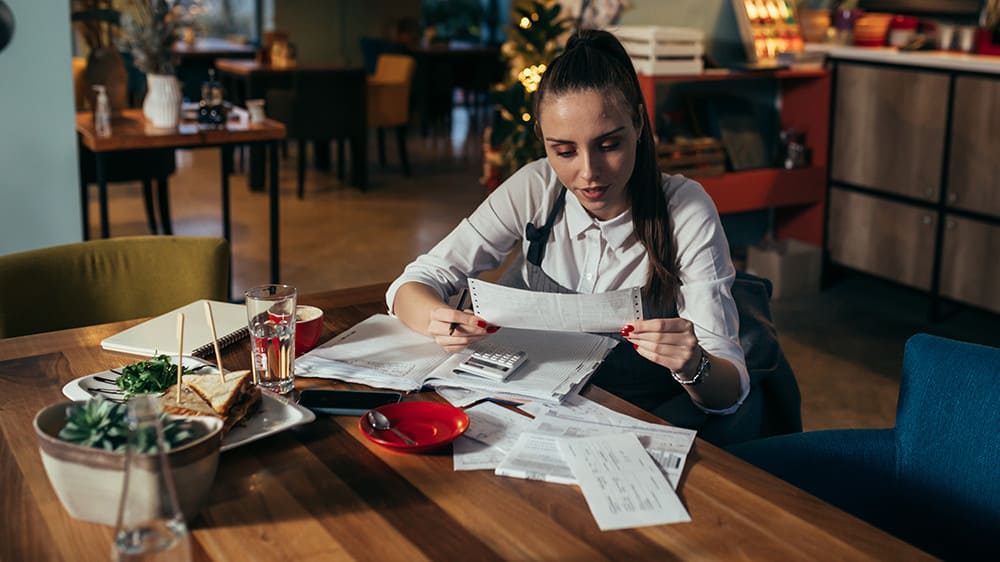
(532, 310)
(621, 483)
(493, 430)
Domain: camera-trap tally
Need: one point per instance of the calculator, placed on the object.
(491, 362)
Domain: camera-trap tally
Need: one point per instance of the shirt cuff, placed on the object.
(744, 389)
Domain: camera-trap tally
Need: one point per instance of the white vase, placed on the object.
(162, 106)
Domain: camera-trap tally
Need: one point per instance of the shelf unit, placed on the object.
(798, 196)
(914, 178)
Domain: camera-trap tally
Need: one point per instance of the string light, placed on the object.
(525, 117)
(531, 76)
(525, 23)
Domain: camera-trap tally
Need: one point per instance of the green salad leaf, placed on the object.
(151, 376)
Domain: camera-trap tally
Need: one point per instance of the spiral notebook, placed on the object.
(159, 334)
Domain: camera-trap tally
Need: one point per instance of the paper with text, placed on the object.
(382, 352)
(536, 457)
(668, 446)
(622, 485)
(532, 310)
(492, 432)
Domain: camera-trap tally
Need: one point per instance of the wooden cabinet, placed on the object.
(882, 237)
(974, 172)
(915, 177)
(889, 129)
(970, 262)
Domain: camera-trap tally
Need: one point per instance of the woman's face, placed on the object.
(590, 141)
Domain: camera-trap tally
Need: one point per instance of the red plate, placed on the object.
(430, 424)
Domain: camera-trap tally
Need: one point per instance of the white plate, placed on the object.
(276, 413)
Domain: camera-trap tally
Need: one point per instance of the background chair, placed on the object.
(773, 406)
(934, 479)
(108, 280)
(325, 105)
(128, 166)
(389, 102)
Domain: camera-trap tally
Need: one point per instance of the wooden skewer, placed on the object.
(180, 355)
(215, 341)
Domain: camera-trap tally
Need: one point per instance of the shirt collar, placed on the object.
(616, 230)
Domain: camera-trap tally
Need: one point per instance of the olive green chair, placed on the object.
(108, 280)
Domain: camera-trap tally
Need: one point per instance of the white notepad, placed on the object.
(159, 335)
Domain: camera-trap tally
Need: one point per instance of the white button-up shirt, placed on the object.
(589, 255)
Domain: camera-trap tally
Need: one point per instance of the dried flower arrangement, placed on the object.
(149, 31)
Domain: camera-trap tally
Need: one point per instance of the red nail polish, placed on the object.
(635, 345)
(623, 333)
(492, 329)
(481, 323)
(630, 327)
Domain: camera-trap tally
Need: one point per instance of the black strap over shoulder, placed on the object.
(539, 236)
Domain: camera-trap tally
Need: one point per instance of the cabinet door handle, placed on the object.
(926, 219)
(952, 197)
(929, 194)
(950, 224)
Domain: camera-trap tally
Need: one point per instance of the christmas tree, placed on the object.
(536, 35)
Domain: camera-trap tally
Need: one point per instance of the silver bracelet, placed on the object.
(704, 367)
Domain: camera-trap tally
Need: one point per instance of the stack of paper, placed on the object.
(383, 353)
(627, 469)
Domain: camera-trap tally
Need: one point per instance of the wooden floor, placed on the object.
(845, 343)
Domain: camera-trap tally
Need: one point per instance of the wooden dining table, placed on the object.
(323, 491)
(130, 131)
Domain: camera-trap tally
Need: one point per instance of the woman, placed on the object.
(622, 224)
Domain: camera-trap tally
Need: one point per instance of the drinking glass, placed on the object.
(271, 320)
(150, 524)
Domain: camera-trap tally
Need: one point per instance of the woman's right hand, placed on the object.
(421, 308)
(468, 328)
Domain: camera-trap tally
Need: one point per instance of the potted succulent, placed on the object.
(149, 31)
(82, 445)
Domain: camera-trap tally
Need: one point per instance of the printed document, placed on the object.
(622, 485)
(538, 457)
(532, 310)
(492, 432)
(382, 352)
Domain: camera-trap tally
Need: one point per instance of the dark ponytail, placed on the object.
(595, 60)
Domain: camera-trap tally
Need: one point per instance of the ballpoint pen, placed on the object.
(458, 306)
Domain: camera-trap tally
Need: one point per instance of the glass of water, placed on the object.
(271, 319)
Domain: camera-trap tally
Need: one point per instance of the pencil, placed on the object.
(458, 306)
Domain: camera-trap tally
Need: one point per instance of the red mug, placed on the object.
(308, 327)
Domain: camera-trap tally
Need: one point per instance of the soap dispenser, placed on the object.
(102, 112)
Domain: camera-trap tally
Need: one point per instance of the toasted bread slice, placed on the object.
(206, 395)
(222, 396)
(190, 404)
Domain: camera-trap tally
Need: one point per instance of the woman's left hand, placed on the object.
(666, 341)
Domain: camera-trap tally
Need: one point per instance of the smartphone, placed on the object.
(345, 402)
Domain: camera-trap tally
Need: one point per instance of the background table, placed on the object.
(249, 79)
(195, 60)
(325, 492)
(132, 132)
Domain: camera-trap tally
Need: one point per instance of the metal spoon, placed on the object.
(382, 423)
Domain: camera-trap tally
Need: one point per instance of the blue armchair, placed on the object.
(934, 479)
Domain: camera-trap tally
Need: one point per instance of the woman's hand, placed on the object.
(666, 341)
(468, 328)
(671, 342)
